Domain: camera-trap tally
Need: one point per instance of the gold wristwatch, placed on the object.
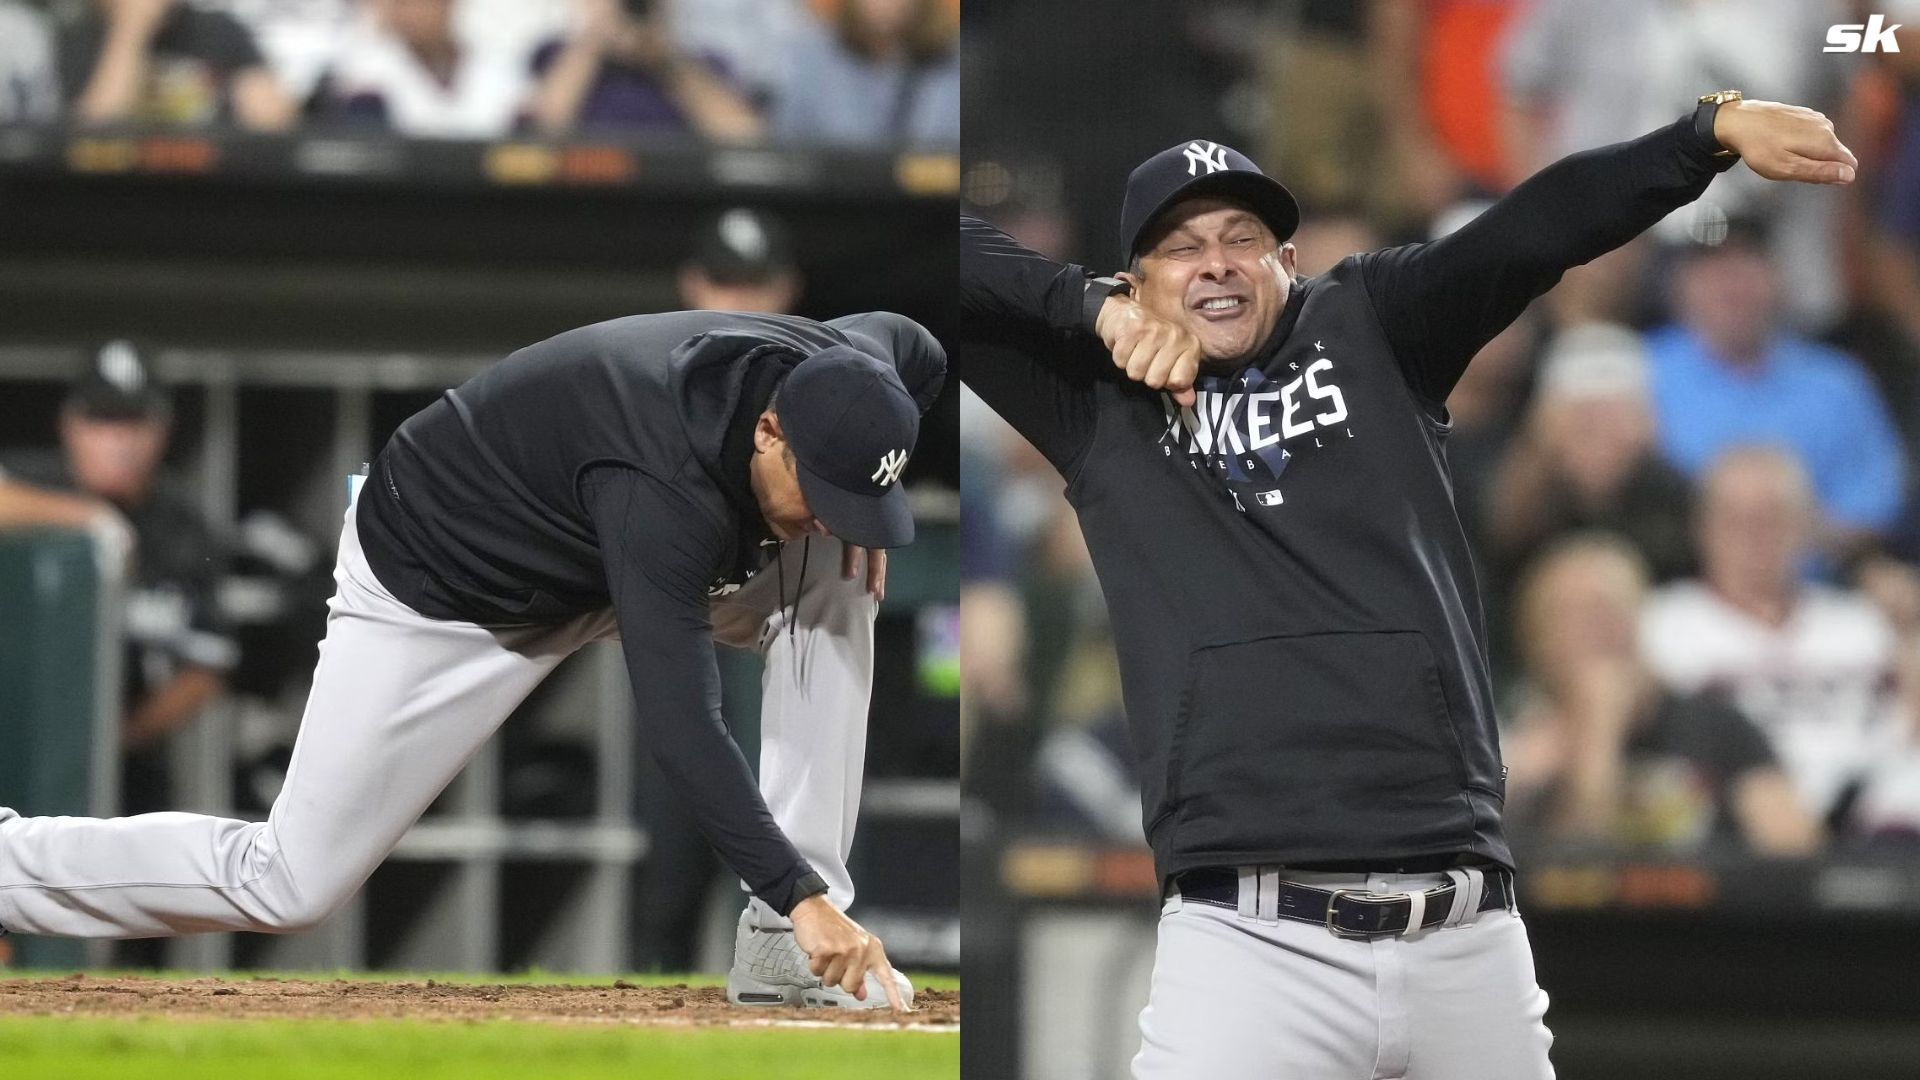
(1703, 115)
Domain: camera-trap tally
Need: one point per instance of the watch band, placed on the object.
(1098, 289)
(1703, 116)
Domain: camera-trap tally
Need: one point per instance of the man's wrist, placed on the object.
(1706, 121)
(1098, 291)
(809, 886)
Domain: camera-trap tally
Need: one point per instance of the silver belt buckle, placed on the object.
(1333, 906)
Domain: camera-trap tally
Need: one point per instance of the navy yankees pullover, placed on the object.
(1301, 643)
(607, 466)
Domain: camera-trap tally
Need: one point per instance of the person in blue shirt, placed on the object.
(1726, 373)
(884, 73)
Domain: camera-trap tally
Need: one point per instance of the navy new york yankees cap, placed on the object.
(1191, 169)
(851, 424)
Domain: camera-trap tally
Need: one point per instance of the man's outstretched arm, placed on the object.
(658, 549)
(1439, 302)
(1005, 283)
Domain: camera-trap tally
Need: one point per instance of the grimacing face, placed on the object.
(1215, 267)
(776, 483)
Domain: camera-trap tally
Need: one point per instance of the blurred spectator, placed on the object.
(1084, 768)
(1000, 727)
(993, 627)
(410, 69)
(620, 70)
(1588, 459)
(1813, 666)
(1615, 288)
(746, 39)
(1888, 808)
(886, 73)
(1437, 87)
(1602, 753)
(742, 261)
(300, 38)
(114, 430)
(1896, 254)
(1024, 196)
(29, 83)
(1317, 53)
(1726, 373)
(1485, 407)
(1331, 234)
(165, 62)
(1581, 74)
(997, 741)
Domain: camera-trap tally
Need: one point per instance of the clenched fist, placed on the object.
(1151, 350)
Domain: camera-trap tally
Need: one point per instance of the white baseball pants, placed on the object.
(1242, 995)
(400, 703)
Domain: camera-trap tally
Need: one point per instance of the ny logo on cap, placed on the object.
(891, 465)
(1212, 155)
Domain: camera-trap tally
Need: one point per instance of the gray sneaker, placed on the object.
(770, 969)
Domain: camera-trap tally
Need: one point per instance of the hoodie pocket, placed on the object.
(1317, 740)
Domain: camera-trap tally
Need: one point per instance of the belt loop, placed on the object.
(1249, 892)
(1469, 885)
(1268, 909)
(1416, 912)
(1513, 894)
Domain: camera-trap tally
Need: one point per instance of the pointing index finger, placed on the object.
(883, 973)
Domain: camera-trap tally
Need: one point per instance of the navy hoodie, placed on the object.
(607, 466)
(1301, 642)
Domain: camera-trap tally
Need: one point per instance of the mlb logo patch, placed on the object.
(1270, 498)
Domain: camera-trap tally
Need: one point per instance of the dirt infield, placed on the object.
(619, 1003)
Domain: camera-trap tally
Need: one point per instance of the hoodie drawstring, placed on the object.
(806, 552)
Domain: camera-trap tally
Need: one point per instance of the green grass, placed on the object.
(155, 1049)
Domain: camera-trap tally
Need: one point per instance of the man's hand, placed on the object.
(1784, 142)
(876, 568)
(1148, 348)
(840, 953)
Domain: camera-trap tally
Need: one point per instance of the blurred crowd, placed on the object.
(1688, 472)
(860, 73)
